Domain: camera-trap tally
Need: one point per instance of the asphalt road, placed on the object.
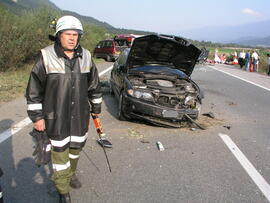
(219, 164)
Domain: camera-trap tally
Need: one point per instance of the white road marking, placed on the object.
(253, 83)
(14, 129)
(247, 165)
(19, 126)
(105, 71)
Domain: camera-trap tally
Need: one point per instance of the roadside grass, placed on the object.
(13, 83)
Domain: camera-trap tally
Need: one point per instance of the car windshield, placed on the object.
(121, 42)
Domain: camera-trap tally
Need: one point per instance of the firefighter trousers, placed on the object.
(64, 167)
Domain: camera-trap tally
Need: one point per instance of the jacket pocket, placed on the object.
(51, 124)
(49, 115)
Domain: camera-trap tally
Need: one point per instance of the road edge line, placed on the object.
(230, 74)
(14, 129)
(247, 165)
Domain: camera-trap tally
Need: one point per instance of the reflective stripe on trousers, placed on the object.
(64, 166)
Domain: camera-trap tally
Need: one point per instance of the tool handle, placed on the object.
(97, 124)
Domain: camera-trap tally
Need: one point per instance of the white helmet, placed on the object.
(68, 23)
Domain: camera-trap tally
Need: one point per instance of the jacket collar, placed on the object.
(60, 53)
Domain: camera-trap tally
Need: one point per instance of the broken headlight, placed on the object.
(190, 101)
(189, 88)
(141, 95)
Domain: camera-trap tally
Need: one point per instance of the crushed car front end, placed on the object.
(162, 96)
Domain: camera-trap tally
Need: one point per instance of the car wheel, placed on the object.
(120, 114)
(108, 58)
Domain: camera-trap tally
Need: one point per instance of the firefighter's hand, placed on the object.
(40, 125)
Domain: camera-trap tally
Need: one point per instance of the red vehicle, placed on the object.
(128, 37)
(111, 48)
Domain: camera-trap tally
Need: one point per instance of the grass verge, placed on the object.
(13, 83)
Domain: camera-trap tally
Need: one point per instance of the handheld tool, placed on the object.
(104, 144)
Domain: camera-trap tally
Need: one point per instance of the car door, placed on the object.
(98, 49)
(108, 47)
(118, 73)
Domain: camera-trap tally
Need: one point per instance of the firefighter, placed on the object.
(63, 89)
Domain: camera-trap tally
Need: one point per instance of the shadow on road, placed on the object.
(23, 181)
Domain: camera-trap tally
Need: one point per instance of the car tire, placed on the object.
(108, 58)
(120, 114)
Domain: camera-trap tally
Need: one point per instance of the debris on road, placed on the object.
(192, 121)
(232, 104)
(209, 114)
(134, 133)
(144, 141)
(227, 126)
(160, 146)
(193, 129)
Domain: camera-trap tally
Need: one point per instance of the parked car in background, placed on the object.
(128, 37)
(111, 48)
(151, 81)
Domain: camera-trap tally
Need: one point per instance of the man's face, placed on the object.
(69, 39)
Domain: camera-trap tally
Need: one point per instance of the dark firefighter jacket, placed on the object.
(61, 91)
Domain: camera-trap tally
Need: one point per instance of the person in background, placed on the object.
(255, 58)
(235, 54)
(241, 59)
(223, 58)
(63, 89)
(216, 59)
(247, 60)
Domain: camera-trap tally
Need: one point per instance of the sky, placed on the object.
(170, 16)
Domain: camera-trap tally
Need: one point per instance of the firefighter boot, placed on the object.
(75, 183)
(64, 198)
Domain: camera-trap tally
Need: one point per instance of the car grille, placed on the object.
(167, 101)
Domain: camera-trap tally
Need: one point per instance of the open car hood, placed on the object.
(167, 50)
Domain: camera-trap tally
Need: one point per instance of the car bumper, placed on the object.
(164, 116)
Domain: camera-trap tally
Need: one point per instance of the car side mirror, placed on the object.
(98, 47)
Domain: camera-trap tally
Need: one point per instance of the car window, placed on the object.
(108, 44)
(121, 42)
(99, 44)
(102, 44)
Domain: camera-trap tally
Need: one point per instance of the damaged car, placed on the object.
(151, 81)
